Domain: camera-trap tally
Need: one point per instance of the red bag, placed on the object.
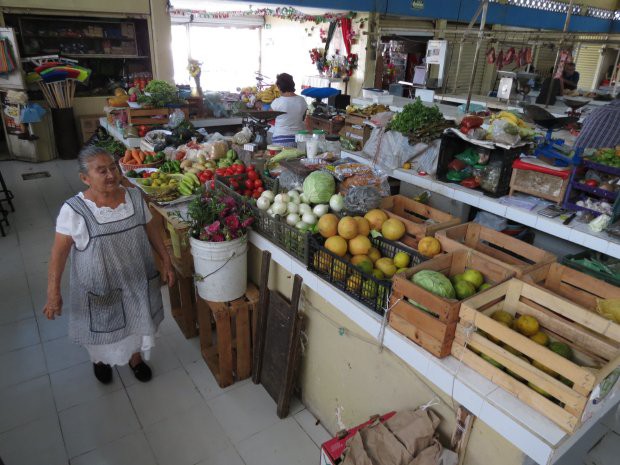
(491, 56)
(471, 122)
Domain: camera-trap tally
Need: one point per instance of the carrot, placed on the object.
(142, 156)
(135, 158)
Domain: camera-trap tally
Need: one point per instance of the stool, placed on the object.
(229, 357)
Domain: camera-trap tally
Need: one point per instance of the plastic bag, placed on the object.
(490, 177)
(361, 199)
(343, 171)
(491, 221)
(382, 119)
(290, 181)
(504, 132)
(176, 118)
(390, 149)
(473, 157)
(242, 137)
(425, 157)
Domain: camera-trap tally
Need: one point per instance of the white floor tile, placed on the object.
(62, 353)
(52, 329)
(188, 438)
(25, 402)
(77, 384)
(97, 422)
(308, 423)
(229, 456)
(284, 443)
(133, 449)
(15, 309)
(186, 350)
(19, 334)
(36, 443)
(22, 365)
(164, 396)
(244, 411)
(162, 361)
(204, 380)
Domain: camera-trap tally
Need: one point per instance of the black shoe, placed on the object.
(103, 372)
(142, 372)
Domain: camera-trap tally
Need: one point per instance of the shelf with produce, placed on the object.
(609, 195)
(130, 142)
(531, 432)
(574, 232)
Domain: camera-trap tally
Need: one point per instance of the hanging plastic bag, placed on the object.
(176, 118)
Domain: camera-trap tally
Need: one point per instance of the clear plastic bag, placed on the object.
(489, 180)
(503, 132)
(176, 118)
(242, 137)
(289, 180)
(361, 199)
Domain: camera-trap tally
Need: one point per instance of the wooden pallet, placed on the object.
(229, 357)
(517, 255)
(435, 332)
(420, 220)
(152, 116)
(593, 339)
(578, 287)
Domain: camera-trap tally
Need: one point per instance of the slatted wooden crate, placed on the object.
(420, 219)
(519, 256)
(595, 343)
(434, 328)
(229, 357)
(151, 116)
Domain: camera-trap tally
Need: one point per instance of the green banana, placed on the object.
(194, 179)
(183, 189)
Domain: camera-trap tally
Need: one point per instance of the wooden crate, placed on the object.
(578, 287)
(355, 128)
(595, 343)
(152, 116)
(543, 185)
(420, 220)
(434, 329)
(183, 304)
(229, 357)
(513, 253)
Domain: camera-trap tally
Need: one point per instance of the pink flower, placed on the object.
(213, 227)
(247, 222)
(229, 202)
(217, 238)
(232, 222)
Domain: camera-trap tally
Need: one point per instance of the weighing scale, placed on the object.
(575, 103)
(550, 148)
(257, 120)
(511, 84)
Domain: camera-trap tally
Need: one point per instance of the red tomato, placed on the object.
(146, 174)
(247, 193)
(229, 172)
(220, 171)
(239, 168)
(234, 184)
(249, 184)
(252, 175)
(260, 190)
(251, 168)
(212, 186)
(208, 174)
(258, 183)
(256, 195)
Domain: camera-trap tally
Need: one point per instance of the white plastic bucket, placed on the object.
(221, 268)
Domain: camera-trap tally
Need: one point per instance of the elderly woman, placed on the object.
(294, 106)
(115, 303)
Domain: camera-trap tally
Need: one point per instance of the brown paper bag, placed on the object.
(355, 454)
(414, 428)
(382, 446)
(429, 456)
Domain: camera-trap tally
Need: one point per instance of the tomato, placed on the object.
(220, 171)
(239, 169)
(260, 190)
(256, 195)
(252, 175)
(146, 174)
(249, 184)
(229, 172)
(251, 168)
(208, 174)
(212, 186)
(234, 184)
(591, 182)
(258, 183)
(247, 193)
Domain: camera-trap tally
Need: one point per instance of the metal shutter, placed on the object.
(467, 59)
(588, 61)
(403, 26)
(545, 60)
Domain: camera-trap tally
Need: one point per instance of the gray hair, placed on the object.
(87, 154)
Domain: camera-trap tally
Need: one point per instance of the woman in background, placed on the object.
(294, 106)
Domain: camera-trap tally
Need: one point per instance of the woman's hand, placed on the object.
(169, 274)
(53, 307)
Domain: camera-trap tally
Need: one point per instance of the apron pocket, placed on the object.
(107, 312)
(156, 304)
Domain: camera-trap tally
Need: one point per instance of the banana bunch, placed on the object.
(188, 184)
(268, 95)
(510, 117)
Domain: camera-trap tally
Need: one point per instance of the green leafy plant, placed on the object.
(415, 116)
(160, 93)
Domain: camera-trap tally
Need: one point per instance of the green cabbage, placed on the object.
(434, 282)
(319, 187)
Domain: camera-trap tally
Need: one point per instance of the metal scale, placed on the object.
(549, 148)
(257, 121)
(512, 84)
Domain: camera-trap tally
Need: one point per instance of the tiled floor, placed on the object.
(54, 412)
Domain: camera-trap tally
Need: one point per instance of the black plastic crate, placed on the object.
(365, 288)
(452, 145)
(570, 261)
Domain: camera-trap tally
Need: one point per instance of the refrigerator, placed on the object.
(43, 148)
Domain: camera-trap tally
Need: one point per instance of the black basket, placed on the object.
(570, 261)
(452, 145)
(365, 288)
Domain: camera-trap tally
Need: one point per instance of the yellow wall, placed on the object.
(346, 379)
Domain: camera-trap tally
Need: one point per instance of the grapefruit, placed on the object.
(502, 316)
(376, 218)
(393, 229)
(347, 227)
(374, 254)
(359, 245)
(328, 225)
(540, 338)
(386, 266)
(484, 286)
(527, 325)
(363, 226)
(474, 277)
(464, 289)
(401, 260)
(429, 246)
(337, 245)
(378, 274)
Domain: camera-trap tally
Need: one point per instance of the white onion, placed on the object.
(302, 226)
(292, 207)
(268, 194)
(303, 198)
(293, 196)
(336, 203)
(279, 208)
(292, 219)
(304, 208)
(320, 210)
(263, 203)
(309, 218)
(282, 198)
